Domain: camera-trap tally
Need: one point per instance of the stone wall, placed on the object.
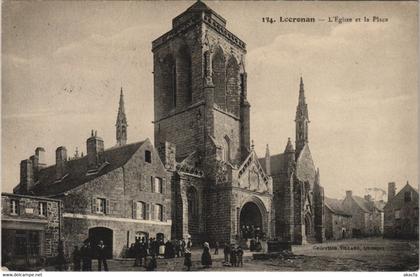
(29, 212)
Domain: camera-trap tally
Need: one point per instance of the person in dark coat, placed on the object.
(233, 256)
(226, 252)
(216, 248)
(77, 259)
(206, 256)
(187, 255)
(240, 254)
(151, 263)
(86, 254)
(101, 252)
(136, 252)
(143, 251)
(60, 259)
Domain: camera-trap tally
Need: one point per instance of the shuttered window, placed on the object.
(158, 211)
(14, 207)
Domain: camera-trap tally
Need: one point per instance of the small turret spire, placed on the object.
(121, 124)
(289, 146)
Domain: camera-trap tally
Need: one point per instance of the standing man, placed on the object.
(86, 253)
(101, 250)
(216, 248)
(226, 252)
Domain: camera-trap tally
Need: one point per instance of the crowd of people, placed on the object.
(251, 232)
(233, 256)
(145, 252)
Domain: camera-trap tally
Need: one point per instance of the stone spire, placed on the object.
(121, 124)
(302, 120)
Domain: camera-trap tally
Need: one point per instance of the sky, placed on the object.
(63, 64)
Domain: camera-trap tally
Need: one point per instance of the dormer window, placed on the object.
(148, 156)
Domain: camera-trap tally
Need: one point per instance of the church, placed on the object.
(219, 183)
(202, 177)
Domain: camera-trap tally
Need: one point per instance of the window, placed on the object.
(407, 196)
(141, 210)
(14, 207)
(173, 87)
(158, 212)
(226, 149)
(416, 212)
(100, 206)
(397, 214)
(147, 156)
(192, 202)
(157, 185)
(43, 208)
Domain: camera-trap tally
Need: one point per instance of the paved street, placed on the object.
(373, 254)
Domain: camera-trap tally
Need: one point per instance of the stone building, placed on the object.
(367, 215)
(31, 228)
(402, 212)
(219, 184)
(114, 194)
(337, 221)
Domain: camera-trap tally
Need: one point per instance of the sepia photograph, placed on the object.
(229, 136)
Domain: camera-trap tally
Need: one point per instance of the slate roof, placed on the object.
(335, 206)
(277, 163)
(115, 157)
(362, 203)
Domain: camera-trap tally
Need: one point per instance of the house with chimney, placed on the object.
(338, 223)
(367, 215)
(402, 212)
(115, 195)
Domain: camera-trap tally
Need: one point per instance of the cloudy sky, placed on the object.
(63, 64)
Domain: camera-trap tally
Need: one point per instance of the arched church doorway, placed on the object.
(101, 233)
(251, 221)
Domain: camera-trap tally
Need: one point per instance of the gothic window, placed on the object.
(219, 77)
(192, 198)
(173, 85)
(184, 78)
(232, 88)
(242, 76)
(226, 149)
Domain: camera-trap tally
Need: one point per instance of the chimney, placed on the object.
(26, 175)
(40, 153)
(167, 152)
(60, 162)
(95, 149)
(349, 193)
(267, 160)
(391, 190)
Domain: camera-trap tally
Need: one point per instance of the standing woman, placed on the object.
(187, 254)
(206, 257)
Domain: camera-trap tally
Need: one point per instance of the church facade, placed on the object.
(219, 184)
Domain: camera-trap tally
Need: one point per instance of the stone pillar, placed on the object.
(184, 211)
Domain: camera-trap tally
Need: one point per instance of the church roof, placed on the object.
(115, 157)
(335, 206)
(277, 163)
